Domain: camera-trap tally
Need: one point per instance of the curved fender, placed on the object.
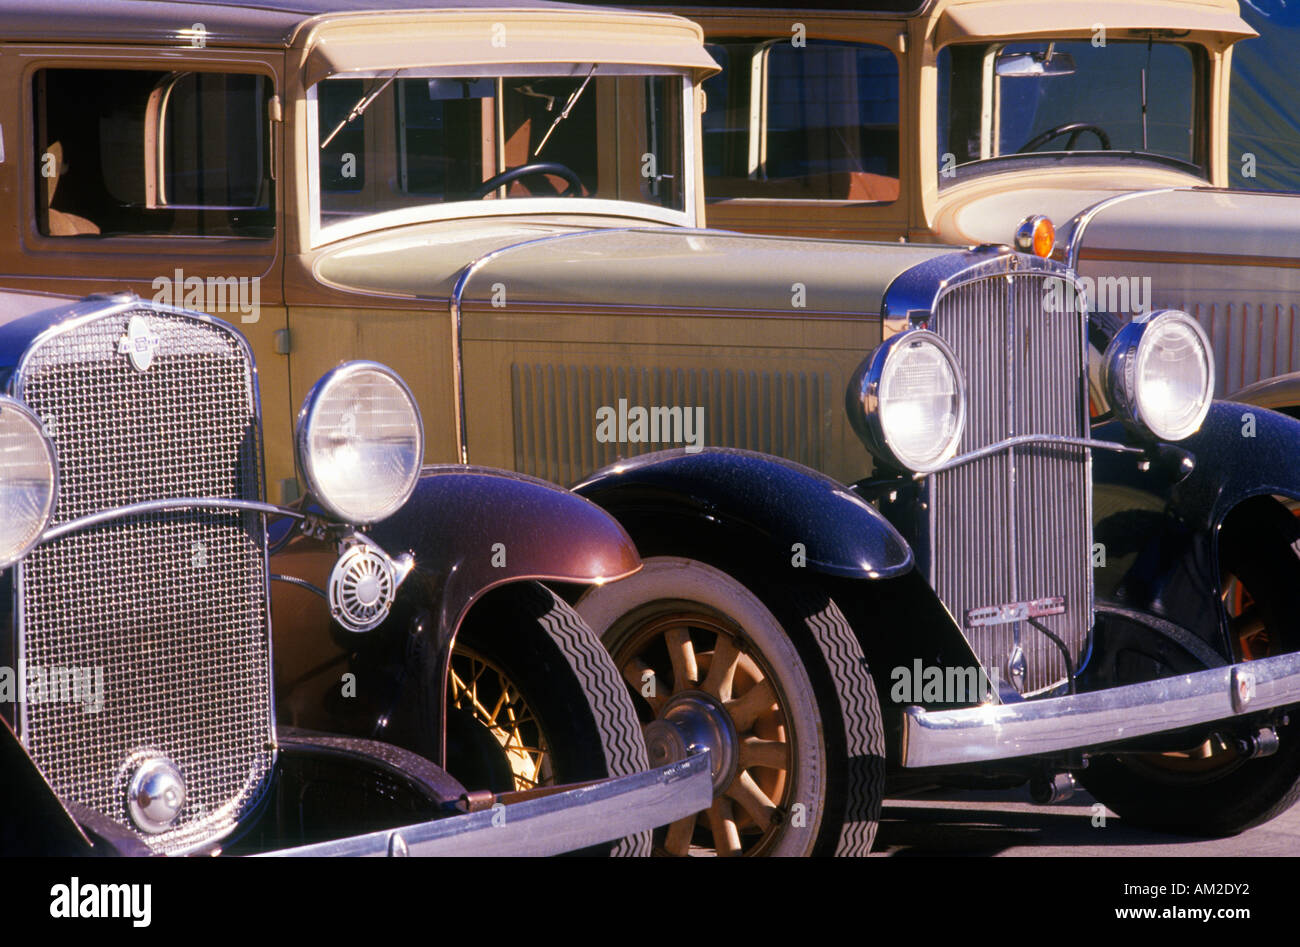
(468, 530)
(1240, 451)
(471, 529)
(1159, 527)
(776, 501)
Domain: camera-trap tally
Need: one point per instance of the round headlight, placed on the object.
(1160, 374)
(913, 401)
(29, 478)
(360, 442)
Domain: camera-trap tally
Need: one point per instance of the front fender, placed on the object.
(1157, 530)
(767, 500)
(468, 530)
(471, 529)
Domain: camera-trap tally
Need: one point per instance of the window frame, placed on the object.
(319, 236)
(759, 109)
(94, 257)
(991, 105)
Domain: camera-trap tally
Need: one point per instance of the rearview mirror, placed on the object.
(1023, 65)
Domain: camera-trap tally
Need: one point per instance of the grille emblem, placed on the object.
(156, 795)
(1015, 611)
(140, 342)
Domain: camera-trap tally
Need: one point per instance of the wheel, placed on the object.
(1216, 789)
(798, 765)
(535, 700)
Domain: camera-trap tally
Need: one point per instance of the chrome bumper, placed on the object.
(1001, 731)
(550, 825)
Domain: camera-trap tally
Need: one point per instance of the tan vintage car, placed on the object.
(956, 121)
(880, 469)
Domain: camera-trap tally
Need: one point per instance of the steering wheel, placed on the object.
(527, 170)
(1074, 128)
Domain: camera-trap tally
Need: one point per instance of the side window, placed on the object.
(814, 122)
(148, 153)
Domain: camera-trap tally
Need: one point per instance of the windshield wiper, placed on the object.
(564, 113)
(358, 110)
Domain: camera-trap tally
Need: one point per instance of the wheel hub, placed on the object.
(689, 722)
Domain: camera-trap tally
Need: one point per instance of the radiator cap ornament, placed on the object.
(140, 343)
(156, 795)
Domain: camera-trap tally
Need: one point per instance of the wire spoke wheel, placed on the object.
(480, 688)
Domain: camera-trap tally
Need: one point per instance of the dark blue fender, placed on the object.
(767, 500)
(469, 530)
(1159, 527)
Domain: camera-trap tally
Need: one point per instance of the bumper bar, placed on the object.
(1002, 731)
(550, 825)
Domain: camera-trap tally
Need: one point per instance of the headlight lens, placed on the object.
(1160, 374)
(914, 401)
(28, 481)
(360, 442)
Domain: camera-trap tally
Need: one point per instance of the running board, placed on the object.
(1034, 727)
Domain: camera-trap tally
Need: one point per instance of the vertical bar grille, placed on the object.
(172, 607)
(1015, 527)
(782, 413)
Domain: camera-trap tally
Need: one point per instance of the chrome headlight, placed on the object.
(29, 480)
(912, 401)
(360, 442)
(1159, 374)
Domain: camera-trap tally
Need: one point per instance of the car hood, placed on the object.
(647, 266)
(988, 209)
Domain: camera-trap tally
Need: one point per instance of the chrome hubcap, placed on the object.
(692, 721)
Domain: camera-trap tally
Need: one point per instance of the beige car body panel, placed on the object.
(1239, 278)
(762, 332)
(1227, 257)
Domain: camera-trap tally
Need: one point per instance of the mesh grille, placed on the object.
(1015, 527)
(171, 606)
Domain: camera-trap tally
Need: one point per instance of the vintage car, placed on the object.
(969, 121)
(506, 205)
(136, 698)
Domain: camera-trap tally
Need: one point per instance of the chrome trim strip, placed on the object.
(159, 506)
(1085, 217)
(919, 288)
(454, 307)
(1032, 727)
(562, 822)
(1022, 439)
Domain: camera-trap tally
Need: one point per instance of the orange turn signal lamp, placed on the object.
(1037, 235)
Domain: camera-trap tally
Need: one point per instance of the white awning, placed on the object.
(1033, 19)
(509, 38)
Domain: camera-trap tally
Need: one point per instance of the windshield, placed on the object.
(402, 143)
(1016, 100)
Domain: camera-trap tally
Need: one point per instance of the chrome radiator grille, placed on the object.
(1015, 527)
(172, 606)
